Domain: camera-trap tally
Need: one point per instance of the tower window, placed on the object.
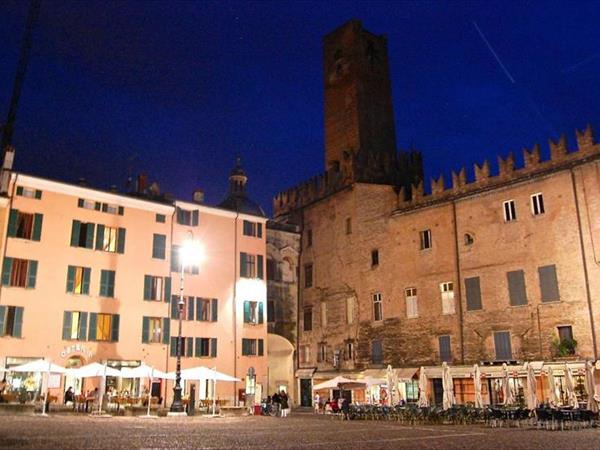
(537, 204)
(510, 211)
(374, 258)
(469, 239)
(425, 236)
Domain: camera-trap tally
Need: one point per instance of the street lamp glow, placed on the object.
(191, 253)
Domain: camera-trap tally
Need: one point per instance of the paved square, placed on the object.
(298, 431)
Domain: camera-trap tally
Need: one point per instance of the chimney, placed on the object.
(82, 182)
(142, 180)
(198, 196)
(113, 188)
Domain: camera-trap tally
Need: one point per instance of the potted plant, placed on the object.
(565, 347)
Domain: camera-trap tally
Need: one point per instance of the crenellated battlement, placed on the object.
(507, 172)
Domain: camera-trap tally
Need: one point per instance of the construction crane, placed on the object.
(9, 126)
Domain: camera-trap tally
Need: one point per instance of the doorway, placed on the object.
(438, 391)
(306, 392)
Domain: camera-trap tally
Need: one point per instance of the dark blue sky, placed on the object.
(177, 89)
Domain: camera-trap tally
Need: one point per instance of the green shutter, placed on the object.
(2, 315)
(260, 347)
(99, 236)
(71, 278)
(37, 226)
(166, 330)
(259, 230)
(147, 287)
(244, 347)
(6, 270)
(161, 218)
(173, 347)
(243, 266)
(80, 202)
(18, 324)
(195, 218)
(214, 309)
(103, 283)
(197, 345)
(213, 347)
(67, 322)
(32, 274)
(145, 329)
(114, 333)
(247, 312)
(174, 314)
(82, 326)
(158, 246)
(260, 312)
(85, 288)
(97, 206)
(111, 283)
(19, 190)
(121, 210)
(93, 325)
(104, 207)
(190, 306)
(259, 266)
(167, 295)
(75, 229)
(189, 347)
(199, 303)
(38, 194)
(12, 222)
(89, 238)
(121, 241)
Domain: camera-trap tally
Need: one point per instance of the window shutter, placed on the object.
(2, 316)
(246, 312)
(244, 345)
(260, 312)
(213, 347)
(197, 349)
(93, 325)
(190, 306)
(259, 266)
(103, 283)
(82, 326)
(37, 227)
(473, 291)
(12, 222)
(6, 270)
(97, 206)
(18, 324)
(260, 347)
(199, 304)
(147, 287)
(85, 288)
(19, 190)
(104, 207)
(243, 265)
(38, 194)
(145, 329)
(121, 210)
(111, 283)
(67, 322)
(166, 330)
(71, 278)
(214, 309)
(516, 288)
(548, 283)
(189, 347)
(80, 203)
(195, 218)
(121, 240)
(114, 334)
(174, 312)
(158, 246)
(167, 295)
(179, 215)
(32, 274)
(259, 230)
(99, 236)
(445, 349)
(75, 229)
(173, 349)
(89, 238)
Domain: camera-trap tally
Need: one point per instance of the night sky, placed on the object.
(178, 89)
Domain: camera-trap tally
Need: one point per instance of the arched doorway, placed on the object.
(74, 362)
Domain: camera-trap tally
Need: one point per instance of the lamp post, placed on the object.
(189, 252)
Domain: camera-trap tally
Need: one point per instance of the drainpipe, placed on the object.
(173, 215)
(235, 271)
(5, 229)
(458, 285)
(584, 263)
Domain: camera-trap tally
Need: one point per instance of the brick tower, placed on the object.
(360, 137)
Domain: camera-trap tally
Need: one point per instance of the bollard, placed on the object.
(192, 402)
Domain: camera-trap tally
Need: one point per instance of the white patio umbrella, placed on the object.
(531, 387)
(570, 388)
(507, 392)
(448, 386)
(336, 382)
(144, 371)
(423, 399)
(590, 387)
(372, 381)
(96, 370)
(391, 384)
(477, 384)
(43, 367)
(553, 396)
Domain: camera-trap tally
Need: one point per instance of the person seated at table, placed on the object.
(335, 407)
(69, 396)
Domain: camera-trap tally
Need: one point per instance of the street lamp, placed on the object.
(189, 253)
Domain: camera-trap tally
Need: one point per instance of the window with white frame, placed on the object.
(304, 354)
(348, 350)
(510, 210)
(377, 307)
(412, 310)
(425, 236)
(447, 291)
(537, 204)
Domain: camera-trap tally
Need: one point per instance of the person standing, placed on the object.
(284, 404)
(317, 405)
(276, 403)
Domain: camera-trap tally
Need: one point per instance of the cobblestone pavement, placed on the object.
(298, 431)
